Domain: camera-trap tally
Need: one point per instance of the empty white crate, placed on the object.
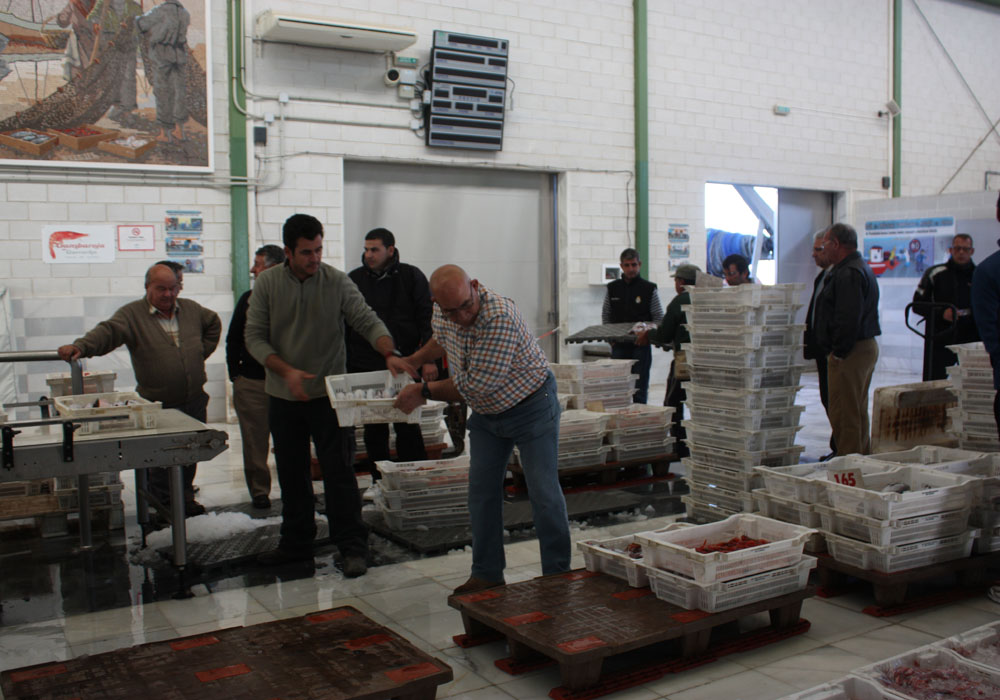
(579, 422)
(601, 402)
(896, 531)
(601, 385)
(710, 494)
(432, 517)
(754, 378)
(725, 595)
(786, 509)
(980, 645)
(772, 399)
(705, 512)
(138, 414)
(632, 436)
(974, 378)
(675, 551)
(640, 415)
(743, 419)
(763, 315)
(972, 355)
(96, 382)
(367, 397)
(980, 401)
(808, 482)
(743, 460)
(745, 336)
(425, 474)
(963, 421)
(892, 557)
(726, 478)
(580, 442)
(747, 294)
(985, 681)
(422, 499)
(927, 455)
(748, 440)
(631, 451)
(929, 492)
(580, 371)
(848, 688)
(722, 356)
(590, 458)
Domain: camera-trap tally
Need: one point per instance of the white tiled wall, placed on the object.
(716, 70)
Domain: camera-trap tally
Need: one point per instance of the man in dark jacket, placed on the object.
(811, 349)
(249, 397)
(948, 283)
(986, 302)
(846, 324)
(400, 295)
(632, 299)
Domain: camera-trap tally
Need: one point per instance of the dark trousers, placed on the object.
(409, 443)
(159, 477)
(643, 356)
(941, 358)
(675, 397)
(293, 424)
(824, 393)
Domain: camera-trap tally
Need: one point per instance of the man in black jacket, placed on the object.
(249, 397)
(811, 350)
(949, 283)
(846, 324)
(629, 300)
(401, 297)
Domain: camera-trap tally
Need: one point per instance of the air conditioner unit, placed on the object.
(331, 33)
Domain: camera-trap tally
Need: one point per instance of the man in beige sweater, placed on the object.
(168, 340)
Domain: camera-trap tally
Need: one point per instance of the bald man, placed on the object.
(168, 340)
(499, 370)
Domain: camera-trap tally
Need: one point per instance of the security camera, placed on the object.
(391, 77)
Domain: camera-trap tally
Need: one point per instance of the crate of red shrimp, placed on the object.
(620, 557)
(741, 545)
(980, 645)
(930, 673)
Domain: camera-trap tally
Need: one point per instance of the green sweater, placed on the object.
(163, 371)
(303, 323)
(671, 331)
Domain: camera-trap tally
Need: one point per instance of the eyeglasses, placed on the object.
(818, 249)
(962, 248)
(464, 306)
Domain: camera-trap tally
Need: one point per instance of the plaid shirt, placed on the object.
(496, 362)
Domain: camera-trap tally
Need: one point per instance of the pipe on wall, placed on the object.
(239, 219)
(639, 30)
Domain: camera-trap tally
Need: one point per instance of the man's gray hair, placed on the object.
(175, 267)
(844, 234)
(821, 234)
(273, 255)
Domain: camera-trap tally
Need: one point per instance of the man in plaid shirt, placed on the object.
(498, 368)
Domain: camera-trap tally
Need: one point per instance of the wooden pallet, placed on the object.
(336, 654)
(581, 618)
(891, 590)
(606, 474)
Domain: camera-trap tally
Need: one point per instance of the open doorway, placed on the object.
(741, 219)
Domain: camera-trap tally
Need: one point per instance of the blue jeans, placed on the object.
(532, 425)
(643, 356)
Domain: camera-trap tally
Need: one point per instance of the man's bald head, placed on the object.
(455, 294)
(162, 288)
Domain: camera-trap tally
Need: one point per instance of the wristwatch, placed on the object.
(425, 391)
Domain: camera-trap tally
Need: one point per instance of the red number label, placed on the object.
(846, 479)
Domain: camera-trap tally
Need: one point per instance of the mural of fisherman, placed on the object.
(166, 27)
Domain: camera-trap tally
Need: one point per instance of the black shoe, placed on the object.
(261, 502)
(277, 557)
(354, 565)
(827, 458)
(193, 508)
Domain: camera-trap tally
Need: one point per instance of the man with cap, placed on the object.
(670, 333)
(986, 308)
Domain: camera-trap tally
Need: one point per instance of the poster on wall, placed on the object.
(183, 242)
(78, 244)
(678, 233)
(136, 237)
(106, 84)
(905, 248)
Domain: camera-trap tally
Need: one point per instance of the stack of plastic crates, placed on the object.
(431, 427)
(420, 495)
(640, 432)
(972, 421)
(605, 384)
(741, 397)
(581, 439)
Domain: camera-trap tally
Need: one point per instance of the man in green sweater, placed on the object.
(168, 340)
(295, 328)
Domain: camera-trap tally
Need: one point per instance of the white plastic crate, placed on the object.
(675, 551)
(742, 460)
(979, 401)
(980, 645)
(847, 688)
(432, 414)
(745, 336)
(139, 414)
(897, 531)
(984, 681)
(929, 492)
(97, 479)
(422, 499)
(367, 397)
(963, 421)
(747, 294)
(420, 519)
(725, 595)
(892, 558)
(735, 501)
(96, 382)
(580, 422)
(741, 358)
(973, 378)
(640, 415)
(972, 355)
(724, 478)
(591, 458)
(642, 434)
(807, 482)
(979, 442)
(927, 455)
(743, 419)
(763, 315)
(704, 512)
(580, 371)
(786, 509)
(603, 385)
(773, 399)
(111, 495)
(432, 473)
(756, 378)
(601, 402)
(747, 440)
(580, 442)
(631, 451)
(610, 556)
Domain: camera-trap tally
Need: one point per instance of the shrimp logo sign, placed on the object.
(78, 244)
